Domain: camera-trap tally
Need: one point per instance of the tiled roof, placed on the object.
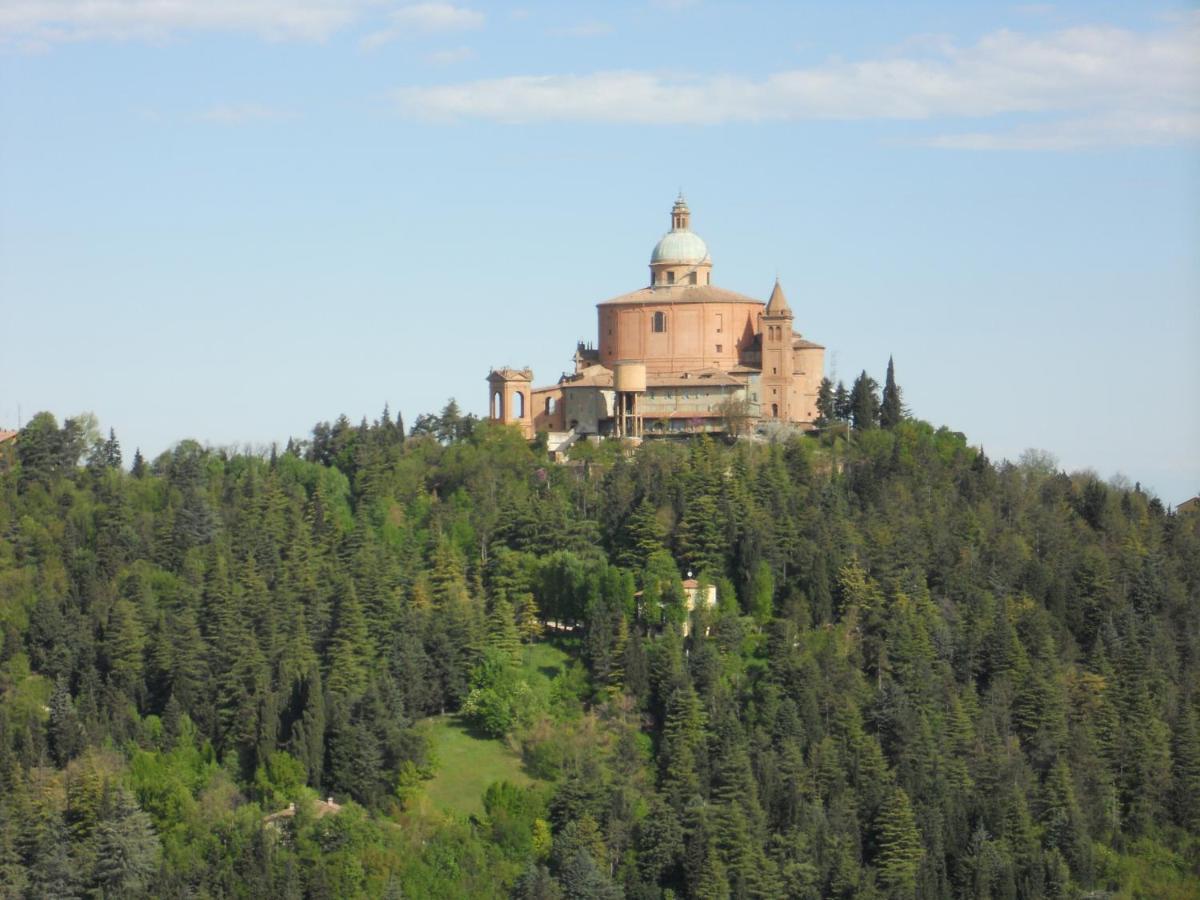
(692, 379)
(777, 305)
(681, 293)
(511, 374)
(7, 435)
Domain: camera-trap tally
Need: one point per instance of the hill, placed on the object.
(925, 673)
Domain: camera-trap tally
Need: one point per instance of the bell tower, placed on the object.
(777, 356)
(509, 398)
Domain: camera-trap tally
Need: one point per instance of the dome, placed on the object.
(681, 247)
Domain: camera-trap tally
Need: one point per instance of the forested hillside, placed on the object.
(926, 674)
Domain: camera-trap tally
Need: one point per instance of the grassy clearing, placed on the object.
(467, 764)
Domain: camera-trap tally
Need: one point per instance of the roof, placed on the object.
(701, 378)
(680, 293)
(778, 305)
(321, 808)
(592, 376)
(507, 374)
(7, 435)
(599, 377)
(800, 343)
(1189, 506)
(680, 246)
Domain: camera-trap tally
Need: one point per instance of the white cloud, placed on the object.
(437, 17)
(1123, 128)
(241, 114)
(1108, 85)
(424, 18)
(41, 22)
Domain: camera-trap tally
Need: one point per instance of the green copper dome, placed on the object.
(680, 247)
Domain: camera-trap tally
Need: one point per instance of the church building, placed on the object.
(678, 356)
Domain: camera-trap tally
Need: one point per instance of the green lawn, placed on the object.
(468, 764)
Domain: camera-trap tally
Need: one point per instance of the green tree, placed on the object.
(891, 411)
(127, 850)
(826, 407)
(900, 849)
(864, 402)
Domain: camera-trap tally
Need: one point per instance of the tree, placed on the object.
(701, 542)
(841, 403)
(127, 850)
(642, 535)
(864, 402)
(350, 650)
(503, 635)
(899, 842)
(66, 733)
(1186, 759)
(761, 593)
(826, 407)
(892, 410)
(529, 622)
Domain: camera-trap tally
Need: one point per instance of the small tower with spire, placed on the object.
(681, 216)
(681, 256)
(777, 356)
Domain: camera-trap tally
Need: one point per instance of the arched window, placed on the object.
(692, 278)
(519, 403)
(497, 405)
(659, 324)
(670, 278)
(551, 406)
(775, 410)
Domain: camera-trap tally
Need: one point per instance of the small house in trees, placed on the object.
(693, 598)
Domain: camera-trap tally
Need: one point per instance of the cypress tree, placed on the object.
(892, 410)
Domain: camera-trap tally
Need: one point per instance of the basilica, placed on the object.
(678, 356)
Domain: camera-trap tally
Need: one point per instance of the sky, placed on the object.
(231, 219)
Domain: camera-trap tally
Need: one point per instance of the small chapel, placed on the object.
(678, 356)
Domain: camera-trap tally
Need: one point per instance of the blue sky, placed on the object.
(229, 219)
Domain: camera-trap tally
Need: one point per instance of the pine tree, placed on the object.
(529, 623)
(67, 737)
(891, 411)
(349, 650)
(502, 634)
(761, 593)
(127, 850)
(701, 542)
(1186, 759)
(641, 536)
(826, 407)
(900, 849)
(841, 403)
(112, 451)
(864, 402)
(682, 748)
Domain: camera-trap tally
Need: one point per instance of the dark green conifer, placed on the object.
(891, 411)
